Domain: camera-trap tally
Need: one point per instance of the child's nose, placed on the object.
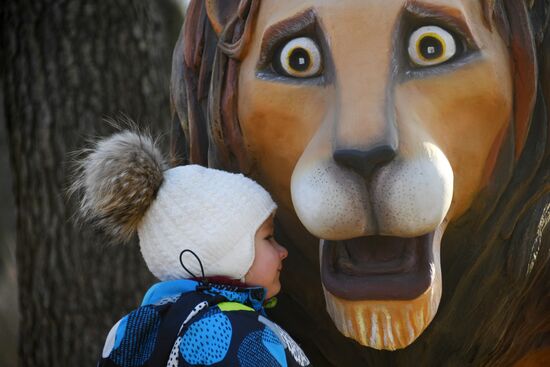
(283, 252)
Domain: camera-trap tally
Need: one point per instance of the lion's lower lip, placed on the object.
(378, 267)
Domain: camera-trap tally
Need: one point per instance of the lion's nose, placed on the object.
(364, 162)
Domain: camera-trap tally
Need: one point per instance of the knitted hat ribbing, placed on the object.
(126, 189)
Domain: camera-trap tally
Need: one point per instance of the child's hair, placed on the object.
(124, 187)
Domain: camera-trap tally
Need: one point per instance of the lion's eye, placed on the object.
(299, 58)
(431, 45)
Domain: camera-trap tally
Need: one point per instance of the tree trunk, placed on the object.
(67, 65)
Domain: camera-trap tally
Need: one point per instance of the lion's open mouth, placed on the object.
(378, 267)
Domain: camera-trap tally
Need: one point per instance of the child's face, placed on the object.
(268, 261)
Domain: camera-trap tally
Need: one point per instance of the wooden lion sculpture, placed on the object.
(406, 143)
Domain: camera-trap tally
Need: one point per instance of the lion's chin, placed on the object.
(386, 325)
(382, 318)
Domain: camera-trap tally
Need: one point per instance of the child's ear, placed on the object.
(219, 12)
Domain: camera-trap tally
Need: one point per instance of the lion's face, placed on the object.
(376, 123)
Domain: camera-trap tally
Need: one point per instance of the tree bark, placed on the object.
(67, 65)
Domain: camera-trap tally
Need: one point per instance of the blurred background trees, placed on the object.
(66, 66)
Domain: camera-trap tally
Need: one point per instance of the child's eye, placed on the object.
(269, 238)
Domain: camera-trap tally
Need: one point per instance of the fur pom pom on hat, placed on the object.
(118, 180)
(125, 188)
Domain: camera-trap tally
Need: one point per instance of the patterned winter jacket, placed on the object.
(187, 323)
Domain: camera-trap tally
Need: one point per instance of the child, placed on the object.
(191, 221)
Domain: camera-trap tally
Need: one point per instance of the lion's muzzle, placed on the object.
(380, 216)
(407, 197)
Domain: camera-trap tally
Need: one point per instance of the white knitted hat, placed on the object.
(126, 188)
(213, 213)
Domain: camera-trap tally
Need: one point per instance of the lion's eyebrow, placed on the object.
(444, 14)
(284, 29)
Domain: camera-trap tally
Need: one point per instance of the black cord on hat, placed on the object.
(185, 268)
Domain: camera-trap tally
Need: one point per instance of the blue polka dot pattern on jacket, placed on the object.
(207, 340)
(253, 352)
(139, 339)
(274, 345)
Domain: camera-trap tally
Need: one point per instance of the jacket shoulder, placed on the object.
(120, 347)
